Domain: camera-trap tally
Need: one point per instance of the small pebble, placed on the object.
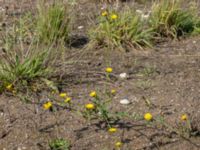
(145, 16)
(123, 75)
(124, 102)
(139, 11)
(80, 27)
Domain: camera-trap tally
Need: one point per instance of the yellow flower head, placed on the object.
(109, 70)
(68, 99)
(90, 106)
(9, 87)
(113, 91)
(14, 92)
(53, 92)
(47, 105)
(112, 130)
(118, 144)
(114, 16)
(184, 117)
(93, 94)
(63, 95)
(148, 116)
(105, 13)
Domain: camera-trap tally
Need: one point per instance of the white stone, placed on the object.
(145, 16)
(124, 102)
(139, 11)
(123, 75)
(80, 27)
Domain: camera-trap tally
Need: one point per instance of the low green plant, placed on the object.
(99, 108)
(53, 21)
(59, 144)
(169, 19)
(197, 28)
(121, 29)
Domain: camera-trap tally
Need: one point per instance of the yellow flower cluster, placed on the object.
(113, 16)
(67, 99)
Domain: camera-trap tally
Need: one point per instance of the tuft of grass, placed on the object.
(169, 19)
(59, 144)
(127, 30)
(14, 67)
(53, 21)
(22, 63)
(197, 28)
(34, 44)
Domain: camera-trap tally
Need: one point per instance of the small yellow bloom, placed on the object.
(148, 117)
(93, 94)
(14, 92)
(53, 92)
(47, 105)
(90, 106)
(118, 144)
(184, 117)
(63, 95)
(68, 99)
(109, 70)
(9, 87)
(114, 16)
(112, 130)
(113, 91)
(105, 13)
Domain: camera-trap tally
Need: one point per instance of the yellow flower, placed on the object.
(63, 95)
(112, 130)
(93, 94)
(148, 117)
(47, 105)
(109, 70)
(14, 92)
(118, 144)
(53, 92)
(114, 16)
(90, 106)
(113, 91)
(184, 117)
(105, 13)
(68, 99)
(9, 87)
